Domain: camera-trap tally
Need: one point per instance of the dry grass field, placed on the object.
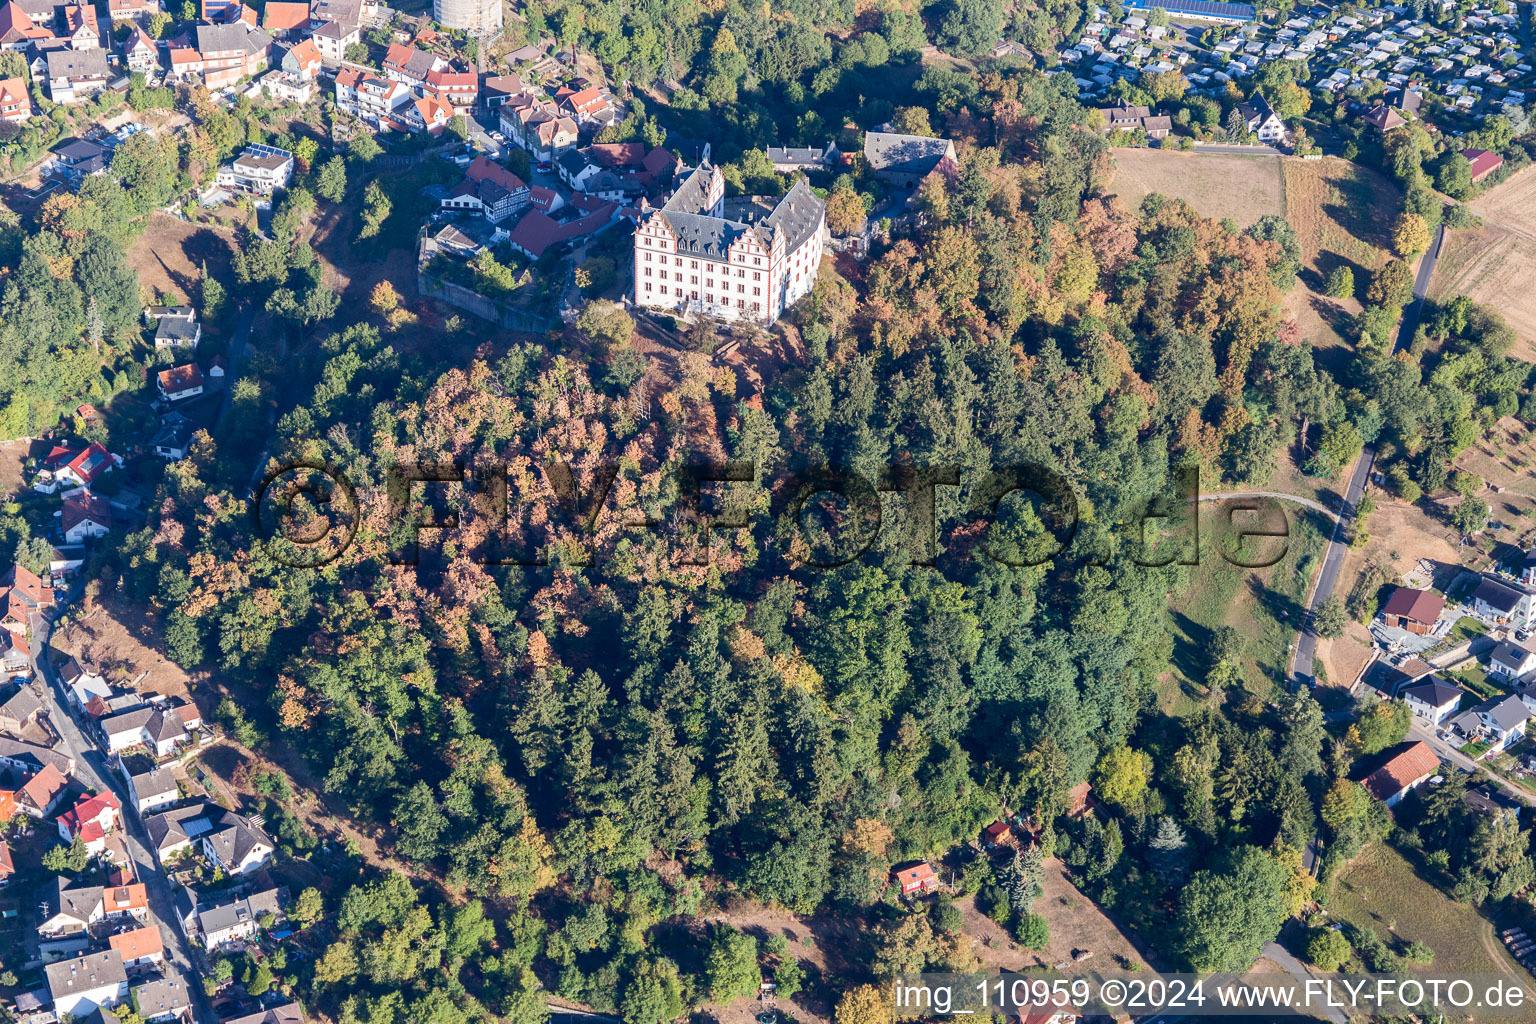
(1494, 264)
(170, 253)
(1244, 188)
(1382, 891)
(1342, 214)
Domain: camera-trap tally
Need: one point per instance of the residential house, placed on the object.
(585, 106)
(1492, 803)
(1079, 800)
(231, 52)
(1129, 117)
(689, 256)
(137, 11)
(1409, 101)
(180, 382)
(237, 844)
(409, 65)
(915, 878)
(66, 912)
(426, 114)
(17, 29)
(174, 438)
(282, 19)
(40, 794)
(536, 231)
(66, 467)
(23, 593)
(81, 27)
(163, 999)
(538, 127)
(333, 37)
(369, 96)
(141, 53)
(20, 711)
(82, 686)
(77, 159)
(1483, 162)
(1528, 568)
(161, 726)
(173, 833)
(1433, 700)
(1417, 611)
(999, 834)
(75, 76)
(178, 332)
(490, 189)
(15, 654)
(91, 819)
(151, 790)
(30, 759)
(127, 900)
(7, 805)
(1498, 721)
(457, 89)
(7, 863)
(139, 946)
(94, 981)
(1501, 603)
(260, 169)
(1511, 660)
(497, 90)
(1261, 119)
(287, 1013)
(15, 101)
(302, 61)
(1383, 118)
(85, 516)
(907, 159)
(788, 159)
(239, 918)
(1402, 773)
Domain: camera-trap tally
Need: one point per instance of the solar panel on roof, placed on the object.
(1208, 8)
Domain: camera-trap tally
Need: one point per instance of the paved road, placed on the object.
(1280, 955)
(236, 357)
(91, 768)
(1462, 761)
(1306, 644)
(1222, 147)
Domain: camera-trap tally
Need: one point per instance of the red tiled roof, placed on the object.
(915, 874)
(7, 865)
(126, 897)
(180, 378)
(485, 169)
(305, 53)
(1418, 605)
(137, 944)
(85, 506)
(1482, 161)
(283, 16)
(42, 788)
(13, 90)
(1416, 763)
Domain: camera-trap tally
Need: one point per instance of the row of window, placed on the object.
(740, 303)
(756, 260)
(694, 279)
(694, 264)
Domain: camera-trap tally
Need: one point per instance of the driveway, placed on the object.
(1462, 761)
(91, 768)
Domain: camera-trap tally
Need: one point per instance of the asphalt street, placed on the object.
(91, 768)
(1306, 644)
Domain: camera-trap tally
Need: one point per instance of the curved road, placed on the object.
(1328, 577)
(1310, 503)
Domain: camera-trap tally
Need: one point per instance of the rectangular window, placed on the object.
(647, 257)
(757, 291)
(663, 289)
(756, 276)
(693, 264)
(694, 279)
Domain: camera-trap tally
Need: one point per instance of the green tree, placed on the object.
(730, 966)
(331, 182)
(1328, 950)
(67, 860)
(1340, 283)
(1227, 914)
(1121, 777)
(1470, 515)
(363, 147)
(1034, 931)
(1329, 619)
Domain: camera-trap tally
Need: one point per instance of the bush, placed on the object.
(1340, 283)
(945, 915)
(1034, 931)
(1327, 949)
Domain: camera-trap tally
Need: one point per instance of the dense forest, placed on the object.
(598, 746)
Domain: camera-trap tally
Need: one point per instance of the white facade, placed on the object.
(701, 262)
(477, 17)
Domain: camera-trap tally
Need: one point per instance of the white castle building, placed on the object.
(742, 259)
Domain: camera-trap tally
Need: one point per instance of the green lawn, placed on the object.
(1381, 890)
